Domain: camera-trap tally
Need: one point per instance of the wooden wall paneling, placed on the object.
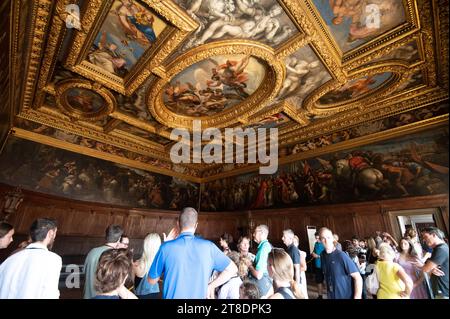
(149, 225)
(117, 218)
(133, 226)
(31, 213)
(357, 225)
(369, 224)
(444, 213)
(276, 226)
(99, 221)
(297, 224)
(165, 224)
(343, 226)
(207, 226)
(82, 222)
(317, 220)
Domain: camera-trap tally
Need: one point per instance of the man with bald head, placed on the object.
(188, 262)
(341, 273)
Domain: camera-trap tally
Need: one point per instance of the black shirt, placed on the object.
(294, 252)
(439, 256)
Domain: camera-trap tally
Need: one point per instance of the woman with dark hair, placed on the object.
(412, 265)
(226, 242)
(243, 248)
(113, 268)
(6, 234)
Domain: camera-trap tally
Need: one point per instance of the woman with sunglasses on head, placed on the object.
(281, 270)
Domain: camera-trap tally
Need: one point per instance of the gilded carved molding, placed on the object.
(179, 26)
(46, 34)
(101, 155)
(80, 128)
(84, 109)
(401, 131)
(39, 25)
(359, 102)
(267, 90)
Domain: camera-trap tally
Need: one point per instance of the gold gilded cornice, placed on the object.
(377, 111)
(98, 154)
(81, 129)
(360, 141)
(40, 21)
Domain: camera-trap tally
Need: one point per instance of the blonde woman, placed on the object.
(394, 281)
(144, 290)
(281, 270)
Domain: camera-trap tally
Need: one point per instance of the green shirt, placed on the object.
(262, 254)
(90, 268)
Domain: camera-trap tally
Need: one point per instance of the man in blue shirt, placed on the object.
(188, 262)
(339, 270)
(318, 248)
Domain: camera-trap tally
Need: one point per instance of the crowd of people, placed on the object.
(187, 266)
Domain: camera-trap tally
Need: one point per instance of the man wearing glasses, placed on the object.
(258, 269)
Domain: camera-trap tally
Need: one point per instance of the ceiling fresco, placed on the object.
(326, 73)
(218, 83)
(355, 89)
(264, 21)
(354, 22)
(127, 32)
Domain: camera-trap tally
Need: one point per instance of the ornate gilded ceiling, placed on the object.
(326, 73)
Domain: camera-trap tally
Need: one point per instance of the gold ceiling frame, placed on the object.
(435, 122)
(40, 20)
(50, 141)
(267, 90)
(300, 12)
(310, 104)
(53, 46)
(136, 138)
(410, 26)
(281, 107)
(61, 100)
(179, 25)
(366, 60)
(53, 119)
(375, 111)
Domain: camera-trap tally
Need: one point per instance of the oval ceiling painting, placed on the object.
(214, 85)
(84, 100)
(355, 88)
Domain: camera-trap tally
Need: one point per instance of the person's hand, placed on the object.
(437, 272)
(124, 293)
(174, 232)
(403, 294)
(211, 292)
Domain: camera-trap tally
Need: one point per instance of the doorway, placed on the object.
(417, 219)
